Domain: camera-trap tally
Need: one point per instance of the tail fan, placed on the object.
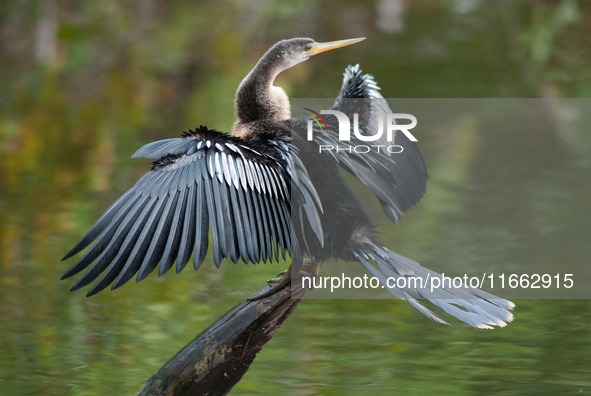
(470, 305)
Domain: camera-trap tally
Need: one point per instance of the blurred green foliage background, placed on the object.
(83, 84)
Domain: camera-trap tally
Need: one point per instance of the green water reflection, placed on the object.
(84, 84)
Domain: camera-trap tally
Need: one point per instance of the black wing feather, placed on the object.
(399, 180)
(174, 237)
(136, 257)
(104, 240)
(201, 234)
(188, 235)
(204, 181)
(156, 249)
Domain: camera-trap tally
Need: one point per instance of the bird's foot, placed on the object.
(310, 269)
(280, 277)
(275, 284)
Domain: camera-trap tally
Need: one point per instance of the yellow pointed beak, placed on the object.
(322, 47)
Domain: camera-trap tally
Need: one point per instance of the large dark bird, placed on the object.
(266, 190)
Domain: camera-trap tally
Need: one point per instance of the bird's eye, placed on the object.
(308, 47)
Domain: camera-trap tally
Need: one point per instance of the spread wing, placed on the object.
(242, 189)
(398, 180)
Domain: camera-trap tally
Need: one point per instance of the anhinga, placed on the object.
(244, 188)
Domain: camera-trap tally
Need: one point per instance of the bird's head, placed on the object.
(257, 98)
(288, 53)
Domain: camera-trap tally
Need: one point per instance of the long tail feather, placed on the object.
(470, 305)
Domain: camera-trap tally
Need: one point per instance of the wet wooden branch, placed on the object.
(217, 358)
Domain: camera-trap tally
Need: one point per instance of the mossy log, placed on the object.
(217, 358)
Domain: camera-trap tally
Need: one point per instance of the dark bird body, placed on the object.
(346, 224)
(266, 191)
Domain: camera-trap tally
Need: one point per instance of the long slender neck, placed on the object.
(257, 98)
